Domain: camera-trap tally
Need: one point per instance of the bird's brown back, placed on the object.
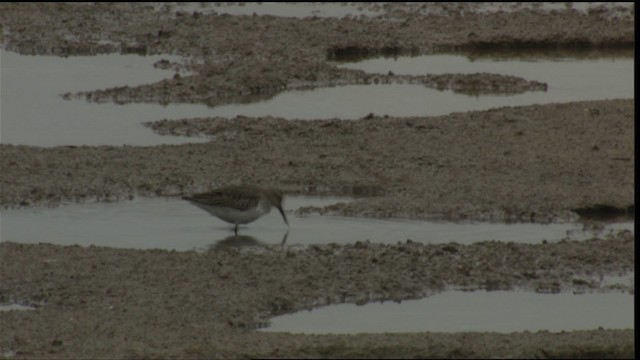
(239, 197)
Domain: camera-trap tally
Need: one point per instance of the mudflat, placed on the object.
(537, 163)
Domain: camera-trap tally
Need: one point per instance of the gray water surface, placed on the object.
(172, 223)
(458, 311)
(34, 113)
(569, 78)
(14, 307)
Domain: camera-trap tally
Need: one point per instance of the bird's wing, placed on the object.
(234, 197)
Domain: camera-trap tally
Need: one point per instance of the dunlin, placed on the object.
(239, 204)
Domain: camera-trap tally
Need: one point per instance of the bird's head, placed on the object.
(275, 198)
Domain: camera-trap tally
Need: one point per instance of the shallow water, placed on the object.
(12, 307)
(574, 76)
(456, 311)
(34, 113)
(569, 78)
(172, 223)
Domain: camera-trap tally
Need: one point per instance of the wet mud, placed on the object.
(537, 163)
(241, 58)
(134, 303)
(531, 163)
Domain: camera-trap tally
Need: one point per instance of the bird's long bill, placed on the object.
(283, 215)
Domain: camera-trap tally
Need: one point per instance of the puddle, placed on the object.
(144, 223)
(34, 113)
(568, 78)
(620, 281)
(172, 223)
(12, 307)
(457, 311)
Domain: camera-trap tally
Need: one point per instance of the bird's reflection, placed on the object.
(245, 240)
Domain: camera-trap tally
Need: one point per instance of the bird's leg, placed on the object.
(236, 230)
(283, 245)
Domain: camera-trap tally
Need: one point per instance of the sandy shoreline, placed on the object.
(537, 163)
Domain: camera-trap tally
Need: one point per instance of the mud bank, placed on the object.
(534, 163)
(244, 58)
(173, 90)
(531, 163)
(108, 302)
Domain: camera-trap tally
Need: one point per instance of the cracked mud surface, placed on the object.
(534, 163)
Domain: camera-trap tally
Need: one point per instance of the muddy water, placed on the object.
(158, 311)
(13, 307)
(454, 311)
(33, 112)
(570, 76)
(171, 223)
